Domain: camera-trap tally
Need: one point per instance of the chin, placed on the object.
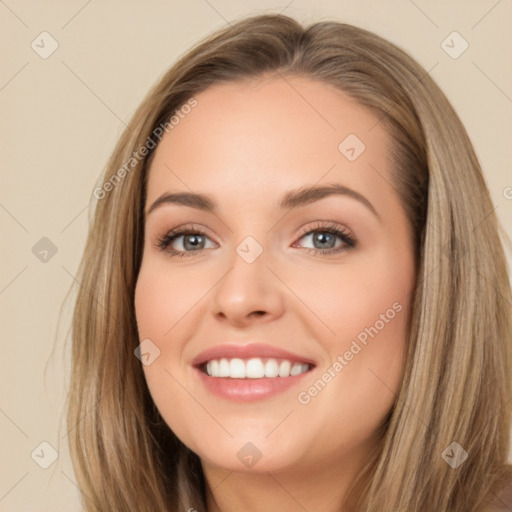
(249, 453)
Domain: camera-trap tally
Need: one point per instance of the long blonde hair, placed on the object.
(457, 379)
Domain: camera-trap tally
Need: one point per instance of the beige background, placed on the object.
(62, 115)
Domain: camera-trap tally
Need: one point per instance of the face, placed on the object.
(276, 318)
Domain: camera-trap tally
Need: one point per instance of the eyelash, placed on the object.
(344, 234)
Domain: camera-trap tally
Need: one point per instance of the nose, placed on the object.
(248, 292)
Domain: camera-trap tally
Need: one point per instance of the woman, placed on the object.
(294, 292)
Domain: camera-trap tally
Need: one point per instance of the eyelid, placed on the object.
(341, 231)
(184, 229)
(324, 224)
(337, 229)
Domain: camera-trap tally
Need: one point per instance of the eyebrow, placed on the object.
(291, 199)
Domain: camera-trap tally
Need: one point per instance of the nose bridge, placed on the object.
(251, 249)
(248, 286)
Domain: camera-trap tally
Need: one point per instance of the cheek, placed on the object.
(371, 327)
(367, 354)
(371, 304)
(153, 312)
(157, 308)
(161, 299)
(367, 307)
(370, 290)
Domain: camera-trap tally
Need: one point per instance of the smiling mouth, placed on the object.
(253, 368)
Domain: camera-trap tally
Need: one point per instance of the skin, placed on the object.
(245, 145)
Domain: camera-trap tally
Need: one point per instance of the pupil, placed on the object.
(196, 237)
(322, 236)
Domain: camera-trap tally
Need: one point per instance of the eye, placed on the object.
(193, 241)
(324, 236)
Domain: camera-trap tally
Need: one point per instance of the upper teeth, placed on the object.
(254, 368)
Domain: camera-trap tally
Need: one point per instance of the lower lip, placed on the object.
(248, 390)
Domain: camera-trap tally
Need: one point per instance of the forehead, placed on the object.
(255, 139)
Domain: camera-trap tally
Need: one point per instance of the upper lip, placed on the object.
(232, 350)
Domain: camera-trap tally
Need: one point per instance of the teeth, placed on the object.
(296, 369)
(271, 368)
(254, 368)
(223, 368)
(284, 369)
(236, 369)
